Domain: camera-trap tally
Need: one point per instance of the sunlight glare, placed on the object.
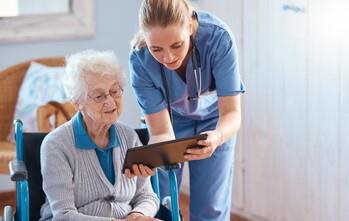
(8, 8)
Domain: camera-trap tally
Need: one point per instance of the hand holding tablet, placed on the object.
(161, 154)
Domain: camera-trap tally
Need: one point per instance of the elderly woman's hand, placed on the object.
(139, 170)
(137, 217)
(140, 217)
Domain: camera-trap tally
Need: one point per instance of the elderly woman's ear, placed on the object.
(76, 105)
(79, 106)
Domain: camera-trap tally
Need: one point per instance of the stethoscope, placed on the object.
(197, 70)
(195, 56)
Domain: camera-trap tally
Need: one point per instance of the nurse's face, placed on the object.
(169, 45)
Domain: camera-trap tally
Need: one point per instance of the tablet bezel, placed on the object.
(161, 154)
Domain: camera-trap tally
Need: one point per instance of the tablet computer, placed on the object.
(161, 154)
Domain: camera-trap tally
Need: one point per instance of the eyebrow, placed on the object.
(158, 47)
(101, 90)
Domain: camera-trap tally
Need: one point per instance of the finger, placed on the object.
(142, 170)
(128, 173)
(203, 150)
(136, 170)
(195, 154)
(204, 142)
(196, 157)
(149, 171)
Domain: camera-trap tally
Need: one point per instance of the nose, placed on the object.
(168, 57)
(109, 100)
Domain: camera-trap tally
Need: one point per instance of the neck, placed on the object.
(99, 133)
(183, 68)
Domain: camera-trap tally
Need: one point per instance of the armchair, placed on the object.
(10, 81)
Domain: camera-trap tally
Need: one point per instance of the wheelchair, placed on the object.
(25, 171)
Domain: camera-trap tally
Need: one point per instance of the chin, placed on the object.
(114, 118)
(111, 118)
(174, 66)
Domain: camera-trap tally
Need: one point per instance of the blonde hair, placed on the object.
(160, 13)
(88, 62)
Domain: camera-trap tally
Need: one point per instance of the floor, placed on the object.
(8, 198)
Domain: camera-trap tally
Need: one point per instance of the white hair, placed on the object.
(89, 62)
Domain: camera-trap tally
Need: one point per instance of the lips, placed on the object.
(110, 111)
(172, 63)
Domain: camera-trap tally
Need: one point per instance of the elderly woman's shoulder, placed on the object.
(59, 134)
(123, 128)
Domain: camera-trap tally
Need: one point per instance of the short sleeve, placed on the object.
(149, 96)
(225, 66)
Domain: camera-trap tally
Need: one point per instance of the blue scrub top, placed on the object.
(220, 76)
(105, 155)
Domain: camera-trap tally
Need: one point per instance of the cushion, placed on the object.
(40, 85)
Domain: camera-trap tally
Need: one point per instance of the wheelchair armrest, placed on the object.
(18, 170)
(8, 215)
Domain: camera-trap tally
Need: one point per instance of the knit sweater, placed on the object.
(76, 187)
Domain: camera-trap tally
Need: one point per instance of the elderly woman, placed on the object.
(81, 160)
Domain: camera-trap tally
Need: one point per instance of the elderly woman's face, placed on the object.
(104, 99)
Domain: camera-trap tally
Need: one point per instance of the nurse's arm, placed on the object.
(159, 126)
(229, 116)
(228, 124)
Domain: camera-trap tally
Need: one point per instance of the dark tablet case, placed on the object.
(161, 154)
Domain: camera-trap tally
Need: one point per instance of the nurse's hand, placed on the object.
(139, 170)
(213, 140)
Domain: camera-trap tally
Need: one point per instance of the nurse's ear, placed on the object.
(193, 24)
(191, 27)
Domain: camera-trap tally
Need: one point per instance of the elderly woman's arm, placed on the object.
(145, 200)
(56, 169)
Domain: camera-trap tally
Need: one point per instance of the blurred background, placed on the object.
(292, 157)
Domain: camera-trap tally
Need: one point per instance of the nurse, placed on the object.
(185, 74)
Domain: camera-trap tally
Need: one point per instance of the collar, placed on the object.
(84, 141)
